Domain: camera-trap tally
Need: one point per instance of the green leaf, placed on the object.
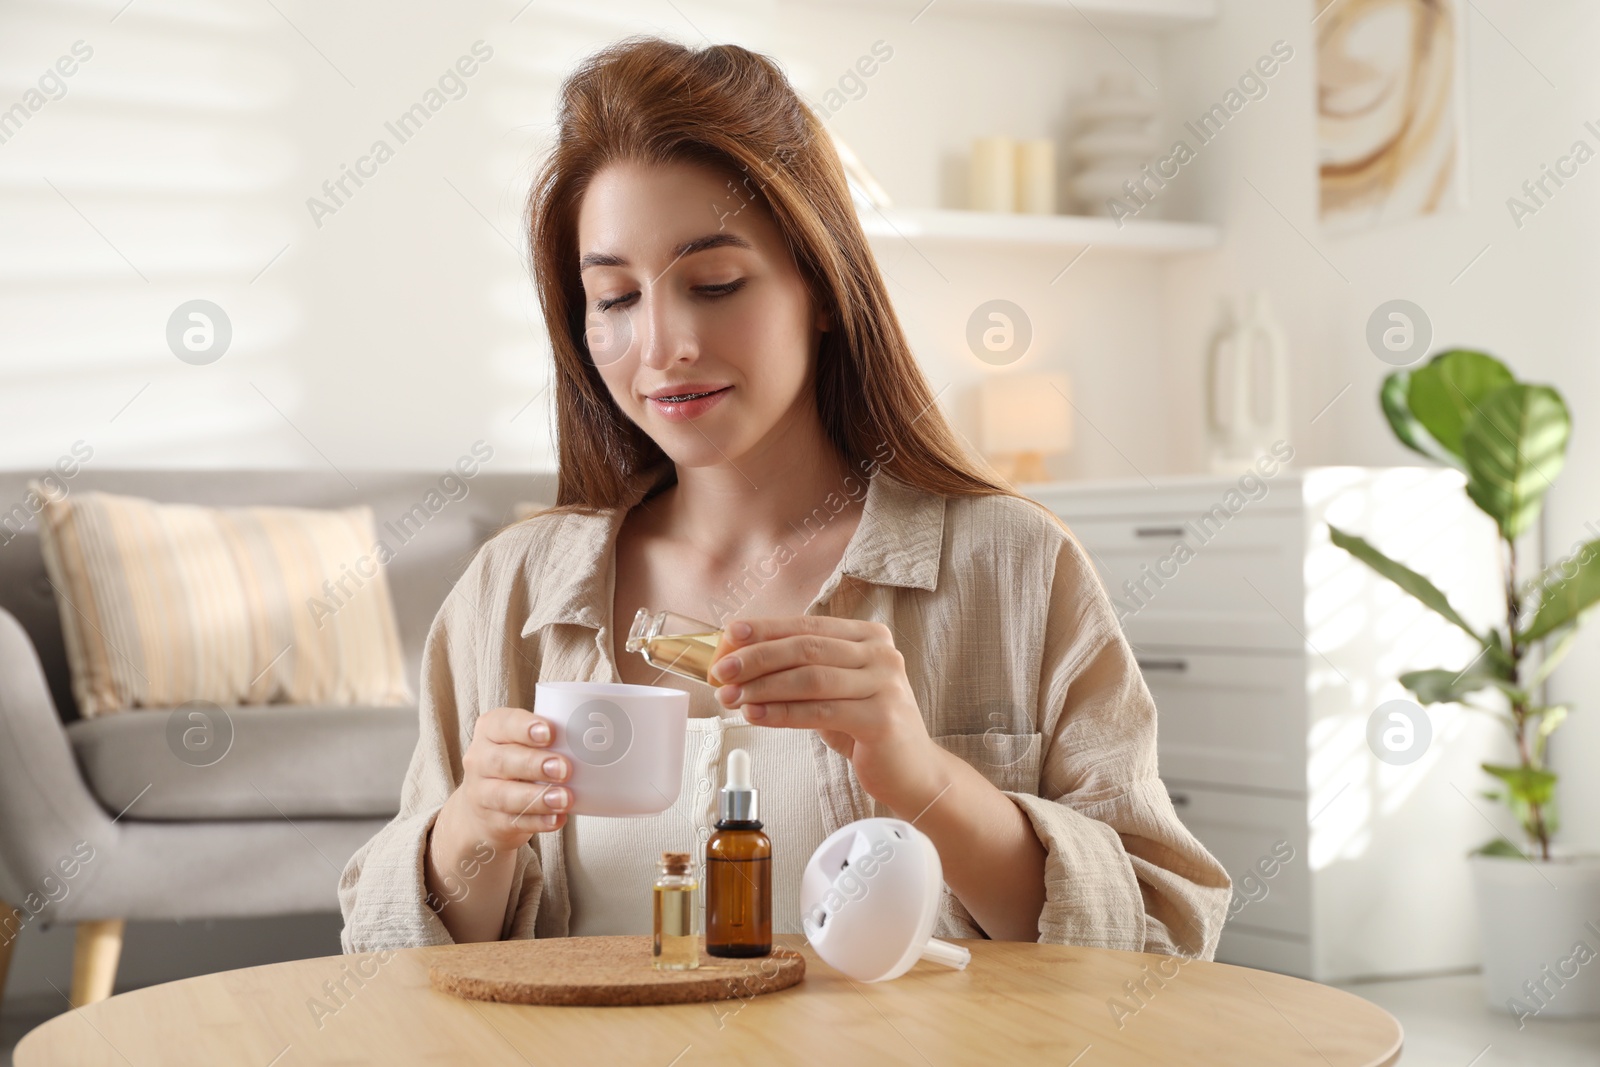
(1498, 658)
(1400, 575)
(1397, 409)
(1515, 445)
(1501, 847)
(1566, 591)
(1553, 656)
(1549, 719)
(1442, 686)
(1530, 785)
(1445, 392)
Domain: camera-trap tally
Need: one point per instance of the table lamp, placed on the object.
(1025, 418)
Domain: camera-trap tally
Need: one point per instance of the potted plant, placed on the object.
(1538, 907)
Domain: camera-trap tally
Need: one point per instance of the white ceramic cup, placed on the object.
(623, 742)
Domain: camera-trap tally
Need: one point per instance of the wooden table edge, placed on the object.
(23, 1053)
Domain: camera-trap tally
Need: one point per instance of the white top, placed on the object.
(612, 863)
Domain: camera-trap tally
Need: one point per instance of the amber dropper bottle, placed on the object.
(738, 870)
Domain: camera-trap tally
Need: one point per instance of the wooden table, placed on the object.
(1016, 1003)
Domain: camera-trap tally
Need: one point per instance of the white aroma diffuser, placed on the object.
(869, 899)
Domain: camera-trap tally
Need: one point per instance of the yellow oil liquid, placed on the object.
(676, 946)
(689, 655)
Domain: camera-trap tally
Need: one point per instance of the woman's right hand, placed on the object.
(509, 791)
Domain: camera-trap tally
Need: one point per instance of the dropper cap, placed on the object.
(737, 800)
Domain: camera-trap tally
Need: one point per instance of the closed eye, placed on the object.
(713, 291)
(724, 289)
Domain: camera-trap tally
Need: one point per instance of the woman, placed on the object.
(745, 436)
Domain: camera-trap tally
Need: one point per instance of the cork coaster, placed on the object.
(602, 971)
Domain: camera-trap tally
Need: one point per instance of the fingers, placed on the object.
(840, 719)
(517, 726)
(771, 628)
(524, 798)
(808, 671)
(522, 763)
(526, 806)
(512, 775)
(802, 667)
(753, 660)
(508, 807)
(503, 747)
(806, 682)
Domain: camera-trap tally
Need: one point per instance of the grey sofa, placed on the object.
(104, 820)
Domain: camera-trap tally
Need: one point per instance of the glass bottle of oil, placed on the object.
(738, 870)
(675, 643)
(676, 946)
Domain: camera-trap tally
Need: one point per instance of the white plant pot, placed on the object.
(1539, 926)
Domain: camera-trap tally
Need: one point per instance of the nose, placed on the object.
(667, 329)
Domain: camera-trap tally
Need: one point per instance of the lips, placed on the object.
(688, 404)
(687, 391)
(680, 397)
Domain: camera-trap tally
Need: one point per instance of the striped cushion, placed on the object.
(166, 603)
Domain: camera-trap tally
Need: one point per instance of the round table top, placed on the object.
(1016, 1002)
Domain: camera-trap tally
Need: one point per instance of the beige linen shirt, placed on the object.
(1011, 647)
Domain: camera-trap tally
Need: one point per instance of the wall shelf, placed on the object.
(1154, 236)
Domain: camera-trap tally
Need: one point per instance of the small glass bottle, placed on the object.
(738, 870)
(675, 643)
(676, 946)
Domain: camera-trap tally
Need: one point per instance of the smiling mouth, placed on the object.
(687, 396)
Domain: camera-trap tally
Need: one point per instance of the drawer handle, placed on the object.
(1179, 800)
(1163, 664)
(1159, 531)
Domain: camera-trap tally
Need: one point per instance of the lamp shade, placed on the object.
(1026, 413)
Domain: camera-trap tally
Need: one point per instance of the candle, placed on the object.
(1036, 177)
(993, 185)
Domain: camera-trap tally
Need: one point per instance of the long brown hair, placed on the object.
(650, 101)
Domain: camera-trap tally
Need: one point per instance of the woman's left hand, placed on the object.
(843, 678)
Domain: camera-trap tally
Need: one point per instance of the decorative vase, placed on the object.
(1247, 386)
(1539, 929)
(1115, 138)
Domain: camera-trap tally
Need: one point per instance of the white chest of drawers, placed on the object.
(1267, 649)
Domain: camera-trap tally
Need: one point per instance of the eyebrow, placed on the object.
(688, 248)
